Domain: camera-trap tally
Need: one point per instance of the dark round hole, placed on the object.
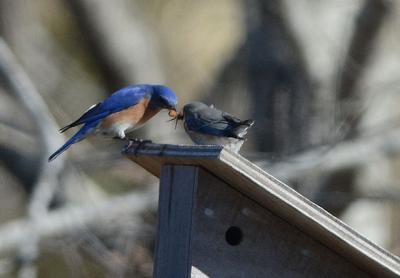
(234, 235)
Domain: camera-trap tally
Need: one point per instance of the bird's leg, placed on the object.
(122, 136)
(140, 142)
(130, 143)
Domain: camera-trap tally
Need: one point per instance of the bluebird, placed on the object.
(207, 125)
(125, 110)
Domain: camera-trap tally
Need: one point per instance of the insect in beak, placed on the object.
(175, 116)
(172, 113)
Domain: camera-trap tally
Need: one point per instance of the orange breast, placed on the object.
(135, 115)
(148, 114)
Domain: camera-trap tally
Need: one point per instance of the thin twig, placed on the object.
(110, 49)
(325, 160)
(21, 86)
(71, 219)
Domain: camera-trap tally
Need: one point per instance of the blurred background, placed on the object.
(320, 79)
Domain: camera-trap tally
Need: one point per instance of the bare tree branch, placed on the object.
(128, 55)
(369, 22)
(71, 219)
(324, 160)
(19, 83)
(47, 180)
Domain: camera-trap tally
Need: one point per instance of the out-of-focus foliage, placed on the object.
(320, 78)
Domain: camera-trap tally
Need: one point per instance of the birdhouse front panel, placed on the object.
(209, 229)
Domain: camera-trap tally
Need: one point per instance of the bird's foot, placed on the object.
(127, 146)
(130, 141)
(140, 143)
(139, 140)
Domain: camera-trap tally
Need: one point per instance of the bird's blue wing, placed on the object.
(125, 98)
(215, 122)
(118, 101)
(208, 121)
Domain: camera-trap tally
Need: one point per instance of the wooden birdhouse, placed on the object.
(222, 216)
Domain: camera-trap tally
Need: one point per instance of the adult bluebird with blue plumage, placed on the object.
(207, 125)
(125, 110)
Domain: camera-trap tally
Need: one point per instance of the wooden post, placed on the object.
(175, 214)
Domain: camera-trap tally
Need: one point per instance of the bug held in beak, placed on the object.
(172, 113)
(175, 116)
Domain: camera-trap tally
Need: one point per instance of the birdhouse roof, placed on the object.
(273, 195)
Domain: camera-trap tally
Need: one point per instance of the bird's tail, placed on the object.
(248, 123)
(241, 129)
(81, 134)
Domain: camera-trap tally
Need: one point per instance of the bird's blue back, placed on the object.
(126, 97)
(209, 120)
(118, 101)
(217, 128)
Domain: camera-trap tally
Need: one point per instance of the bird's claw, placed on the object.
(140, 144)
(130, 143)
(139, 140)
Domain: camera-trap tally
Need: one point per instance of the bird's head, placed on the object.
(188, 111)
(164, 98)
(191, 108)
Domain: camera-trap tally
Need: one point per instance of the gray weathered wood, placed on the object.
(196, 210)
(270, 246)
(276, 197)
(175, 213)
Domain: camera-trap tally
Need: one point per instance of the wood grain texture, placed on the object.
(275, 196)
(177, 190)
(269, 247)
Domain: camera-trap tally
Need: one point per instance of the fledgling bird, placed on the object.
(125, 110)
(207, 125)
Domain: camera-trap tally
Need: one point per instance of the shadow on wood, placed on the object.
(222, 216)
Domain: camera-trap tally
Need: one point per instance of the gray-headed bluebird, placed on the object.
(207, 125)
(125, 110)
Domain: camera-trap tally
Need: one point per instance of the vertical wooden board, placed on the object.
(270, 246)
(177, 191)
